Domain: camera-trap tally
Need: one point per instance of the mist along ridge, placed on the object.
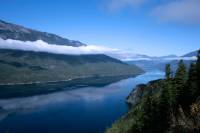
(170, 105)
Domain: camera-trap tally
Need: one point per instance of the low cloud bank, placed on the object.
(182, 58)
(41, 46)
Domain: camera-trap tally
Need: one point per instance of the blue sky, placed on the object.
(155, 28)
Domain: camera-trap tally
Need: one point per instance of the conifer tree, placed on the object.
(192, 83)
(179, 82)
(181, 73)
(164, 105)
(198, 72)
(149, 116)
(168, 71)
(169, 92)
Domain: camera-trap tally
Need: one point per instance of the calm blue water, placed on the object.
(84, 110)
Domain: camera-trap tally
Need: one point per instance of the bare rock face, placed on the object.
(142, 90)
(136, 95)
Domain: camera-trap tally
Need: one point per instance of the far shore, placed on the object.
(57, 81)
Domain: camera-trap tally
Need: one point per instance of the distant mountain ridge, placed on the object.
(191, 54)
(17, 32)
(159, 62)
(140, 57)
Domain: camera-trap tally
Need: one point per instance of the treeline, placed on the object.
(177, 107)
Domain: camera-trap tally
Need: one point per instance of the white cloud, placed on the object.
(116, 5)
(183, 11)
(179, 11)
(41, 46)
(182, 58)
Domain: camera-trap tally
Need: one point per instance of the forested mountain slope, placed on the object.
(25, 67)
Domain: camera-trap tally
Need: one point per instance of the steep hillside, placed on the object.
(191, 54)
(17, 32)
(25, 67)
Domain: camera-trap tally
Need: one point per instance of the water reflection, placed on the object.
(97, 99)
(87, 94)
(24, 90)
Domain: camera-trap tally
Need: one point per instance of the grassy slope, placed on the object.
(25, 67)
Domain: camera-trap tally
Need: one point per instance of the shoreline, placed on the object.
(70, 79)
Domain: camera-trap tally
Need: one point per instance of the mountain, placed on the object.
(147, 65)
(17, 32)
(153, 63)
(22, 66)
(187, 58)
(139, 57)
(168, 56)
(191, 54)
(26, 67)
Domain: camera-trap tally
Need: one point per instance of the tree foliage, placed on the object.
(168, 73)
(198, 72)
(179, 82)
(192, 82)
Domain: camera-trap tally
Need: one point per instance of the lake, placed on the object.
(85, 109)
